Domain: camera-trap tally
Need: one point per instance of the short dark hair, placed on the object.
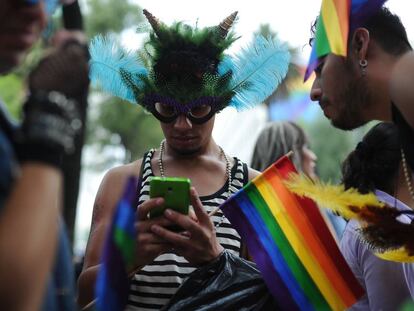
(374, 164)
(385, 28)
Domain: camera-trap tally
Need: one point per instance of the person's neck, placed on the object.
(380, 83)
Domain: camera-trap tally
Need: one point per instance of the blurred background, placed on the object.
(118, 132)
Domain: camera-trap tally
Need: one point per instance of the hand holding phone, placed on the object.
(174, 190)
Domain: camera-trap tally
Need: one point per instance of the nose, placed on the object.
(183, 123)
(313, 156)
(316, 90)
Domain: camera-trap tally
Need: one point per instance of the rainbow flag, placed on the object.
(291, 244)
(112, 284)
(336, 19)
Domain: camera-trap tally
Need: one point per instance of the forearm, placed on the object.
(28, 233)
(86, 285)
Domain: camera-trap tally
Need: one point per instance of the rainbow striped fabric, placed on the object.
(291, 244)
(336, 19)
(112, 284)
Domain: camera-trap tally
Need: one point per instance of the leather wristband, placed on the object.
(48, 129)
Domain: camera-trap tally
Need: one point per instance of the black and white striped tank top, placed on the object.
(154, 285)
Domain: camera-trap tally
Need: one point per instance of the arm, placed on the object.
(29, 219)
(108, 193)
(253, 173)
(401, 87)
(148, 245)
(371, 272)
(28, 228)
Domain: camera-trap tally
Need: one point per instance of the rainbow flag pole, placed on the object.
(291, 244)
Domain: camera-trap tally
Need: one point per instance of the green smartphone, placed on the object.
(174, 190)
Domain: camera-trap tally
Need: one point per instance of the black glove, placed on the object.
(51, 119)
(50, 124)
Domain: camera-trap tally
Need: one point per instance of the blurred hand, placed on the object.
(51, 116)
(65, 70)
(198, 244)
(63, 36)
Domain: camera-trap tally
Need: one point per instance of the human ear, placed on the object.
(360, 42)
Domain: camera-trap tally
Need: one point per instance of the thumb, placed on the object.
(201, 214)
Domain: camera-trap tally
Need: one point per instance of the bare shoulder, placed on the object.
(252, 173)
(111, 188)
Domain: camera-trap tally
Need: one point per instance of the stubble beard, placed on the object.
(355, 99)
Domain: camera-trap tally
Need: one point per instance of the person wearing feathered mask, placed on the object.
(189, 80)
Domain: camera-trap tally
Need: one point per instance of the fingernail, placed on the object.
(168, 212)
(160, 201)
(154, 228)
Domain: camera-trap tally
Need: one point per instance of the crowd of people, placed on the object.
(188, 83)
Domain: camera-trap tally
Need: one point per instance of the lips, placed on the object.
(324, 106)
(183, 138)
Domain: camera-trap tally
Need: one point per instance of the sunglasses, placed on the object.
(167, 109)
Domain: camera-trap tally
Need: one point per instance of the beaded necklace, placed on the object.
(228, 172)
(407, 175)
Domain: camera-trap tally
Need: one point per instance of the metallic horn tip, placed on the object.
(148, 15)
(154, 22)
(226, 24)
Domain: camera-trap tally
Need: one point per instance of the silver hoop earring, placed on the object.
(363, 63)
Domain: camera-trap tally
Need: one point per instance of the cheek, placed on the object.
(208, 126)
(166, 128)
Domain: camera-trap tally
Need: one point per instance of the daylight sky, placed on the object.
(291, 19)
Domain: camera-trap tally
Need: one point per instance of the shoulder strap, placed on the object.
(244, 169)
(141, 171)
(245, 174)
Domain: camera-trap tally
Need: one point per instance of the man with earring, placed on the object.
(362, 86)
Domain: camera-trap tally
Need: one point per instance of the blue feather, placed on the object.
(108, 59)
(226, 65)
(257, 71)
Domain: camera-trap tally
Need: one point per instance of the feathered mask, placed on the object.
(381, 228)
(188, 68)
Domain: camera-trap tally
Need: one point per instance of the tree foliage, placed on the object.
(332, 146)
(120, 122)
(11, 90)
(114, 121)
(111, 16)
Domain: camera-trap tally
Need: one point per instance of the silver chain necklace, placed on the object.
(407, 174)
(228, 173)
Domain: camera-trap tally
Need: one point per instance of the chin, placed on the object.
(186, 151)
(347, 124)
